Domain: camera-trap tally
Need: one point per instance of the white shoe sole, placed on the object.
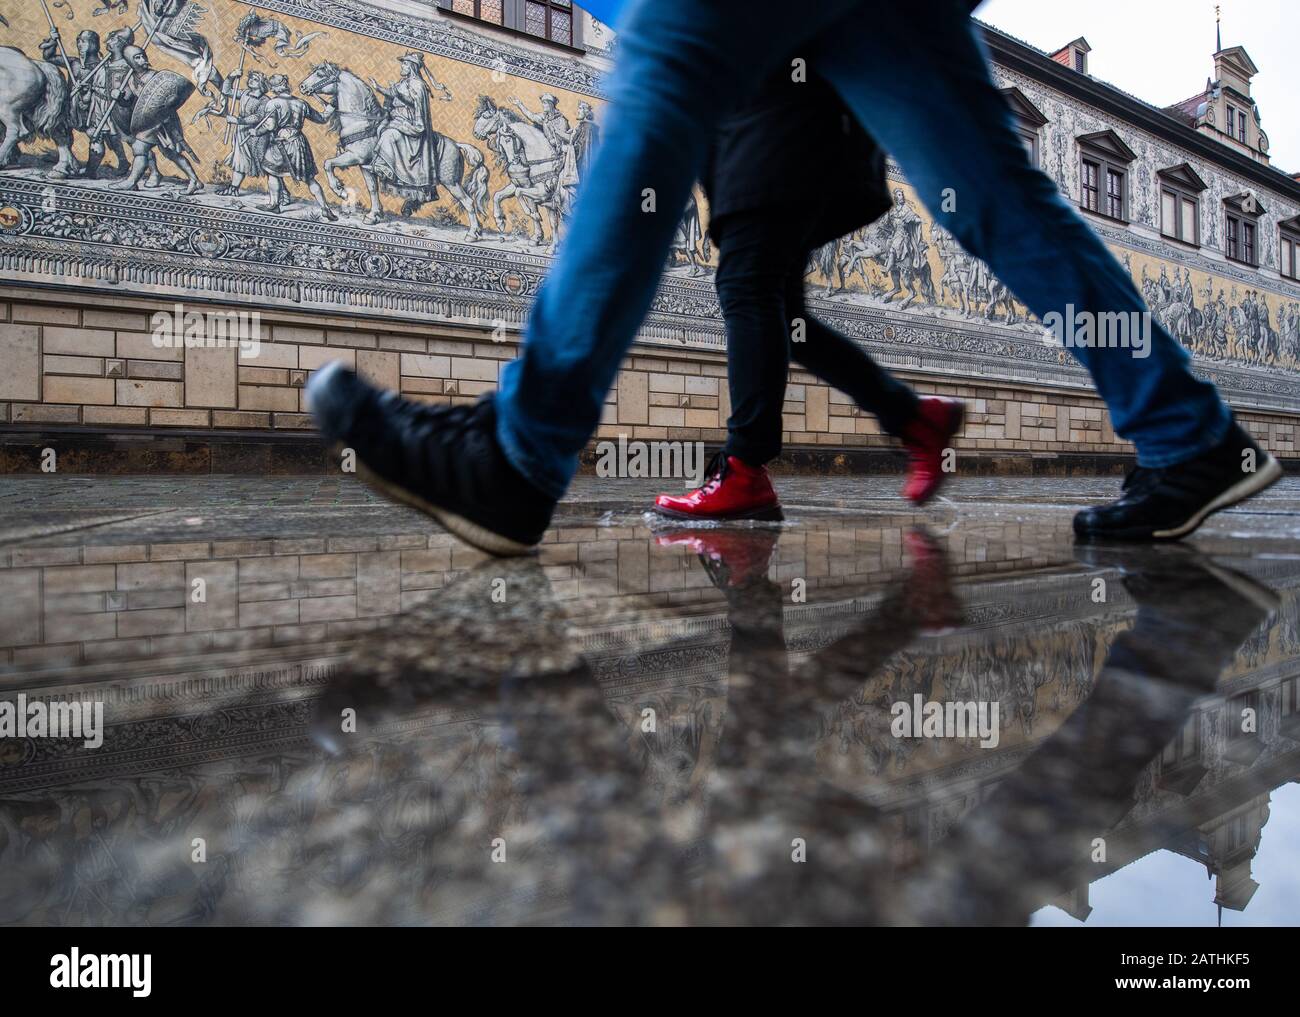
(470, 532)
(1268, 475)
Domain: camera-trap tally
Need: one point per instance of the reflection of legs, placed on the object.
(917, 79)
(1040, 823)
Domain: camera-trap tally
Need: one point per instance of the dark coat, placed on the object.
(796, 143)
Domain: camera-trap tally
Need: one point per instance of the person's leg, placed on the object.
(755, 258)
(916, 77)
(681, 65)
(843, 364)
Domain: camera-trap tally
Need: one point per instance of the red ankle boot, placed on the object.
(926, 437)
(733, 490)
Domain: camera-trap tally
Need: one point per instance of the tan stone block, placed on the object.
(127, 321)
(267, 397)
(92, 367)
(86, 342)
(701, 418)
(283, 355)
(140, 346)
(380, 368)
(137, 392)
(59, 389)
(474, 370)
(40, 413)
(817, 408)
(211, 377)
(154, 370)
(295, 334)
(114, 415)
(179, 418)
(20, 355)
(240, 418)
(667, 383)
(667, 416)
(263, 376)
(46, 314)
(633, 390)
(422, 365)
(312, 357)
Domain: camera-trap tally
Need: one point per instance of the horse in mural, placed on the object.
(881, 248)
(34, 103)
(359, 120)
(531, 163)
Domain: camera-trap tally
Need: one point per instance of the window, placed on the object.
(1241, 228)
(1232, 118)
(543, 19)
(1241, 127)
(1090, 174)
(484, 10)
(1079, 61)
(1026, 119)
(1103, 174)
(1114, 194)
(1288, 247)
(549, 19)
(1180, 203)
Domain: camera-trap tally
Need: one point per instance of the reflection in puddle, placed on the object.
(671, 726)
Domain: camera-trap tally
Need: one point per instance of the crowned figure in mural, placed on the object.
(288, 154)
(405, 159)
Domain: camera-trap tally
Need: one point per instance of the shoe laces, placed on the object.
(716, 471)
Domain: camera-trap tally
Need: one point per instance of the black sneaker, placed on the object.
(1172, 501)
(442, 460)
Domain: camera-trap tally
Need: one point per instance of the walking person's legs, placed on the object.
(919, 83)
(492, 473)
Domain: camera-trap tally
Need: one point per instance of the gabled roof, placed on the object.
(1183, 175)
(1239, 56)
(1109, 142)
(1022, 107)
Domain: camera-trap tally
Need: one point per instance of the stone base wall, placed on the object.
(77, 373)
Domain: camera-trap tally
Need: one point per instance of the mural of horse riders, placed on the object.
(535, 150)
(898, 247)
(395, 146)
(34, 104)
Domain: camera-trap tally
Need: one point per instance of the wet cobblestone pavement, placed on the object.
(360, 720)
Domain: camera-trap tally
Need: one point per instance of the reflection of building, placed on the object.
(210, 705)
(418, 274)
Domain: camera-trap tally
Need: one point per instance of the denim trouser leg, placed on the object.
(916, 77)
(681, 65)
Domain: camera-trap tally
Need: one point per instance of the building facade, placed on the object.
(274, 186)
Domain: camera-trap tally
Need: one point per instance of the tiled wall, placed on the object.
(97, 366)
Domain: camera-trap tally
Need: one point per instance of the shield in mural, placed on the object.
(162, 95)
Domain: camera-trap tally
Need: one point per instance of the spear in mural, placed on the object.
(72, 75)
(117, 92)
(234, 98)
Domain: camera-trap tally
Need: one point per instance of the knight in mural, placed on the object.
(146, 113)
(91, 90)
(248, 155)
(690, 241)
(288, 153)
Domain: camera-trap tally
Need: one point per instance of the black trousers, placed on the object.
(762, 257)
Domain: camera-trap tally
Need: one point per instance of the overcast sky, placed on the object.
(1161, 50)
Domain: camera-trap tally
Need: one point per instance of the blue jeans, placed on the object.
(917, 79)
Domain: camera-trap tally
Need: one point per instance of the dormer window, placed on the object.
(1104, 160)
